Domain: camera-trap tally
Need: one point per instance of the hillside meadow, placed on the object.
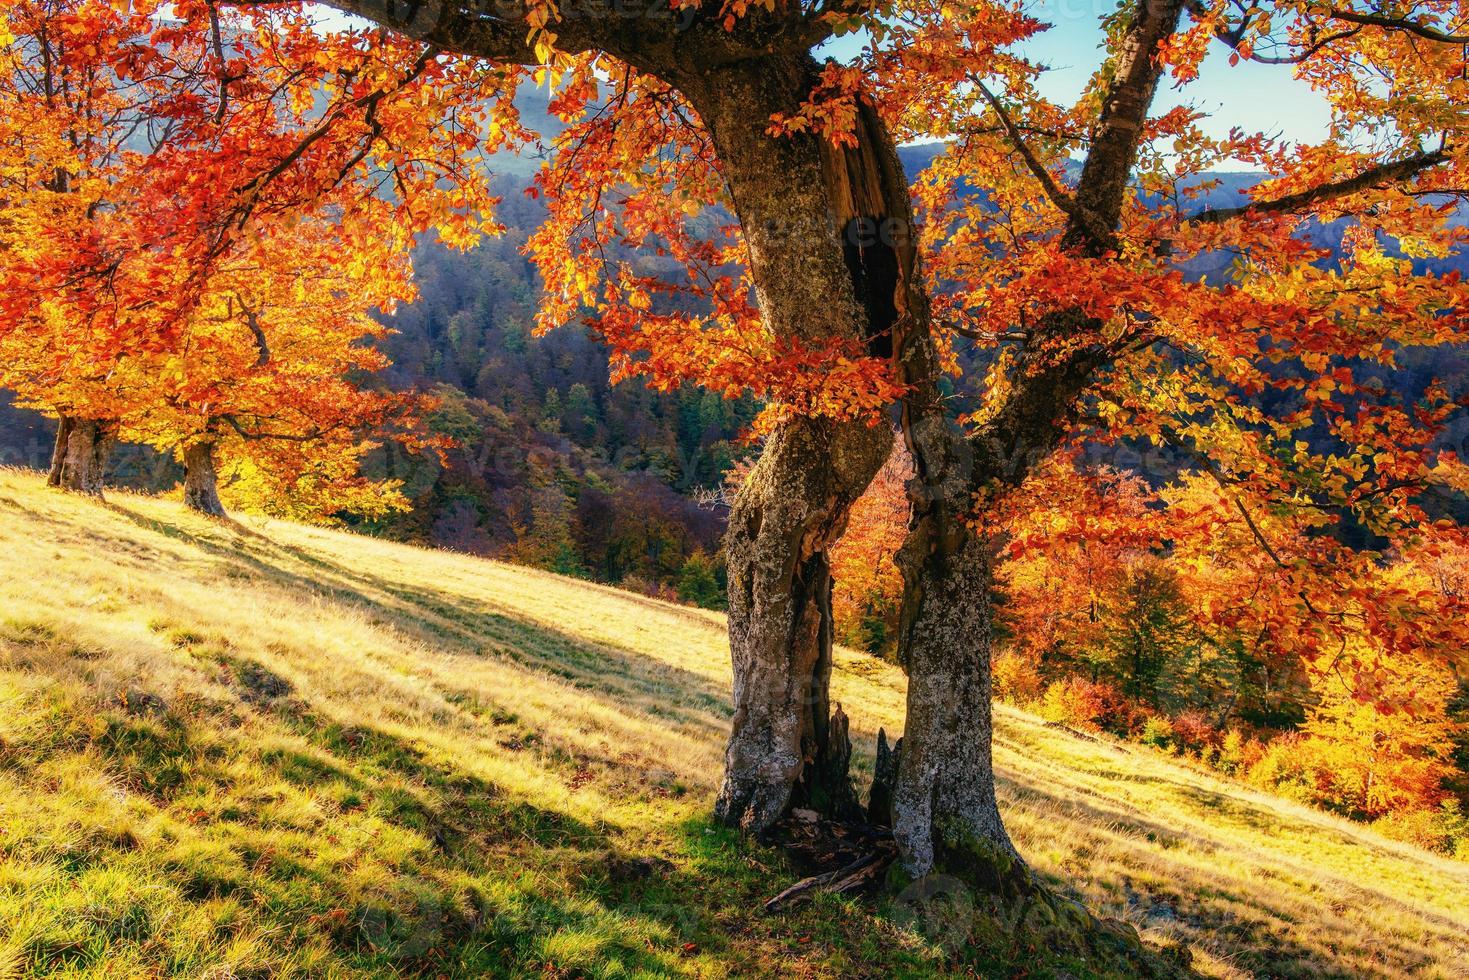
(258, 749)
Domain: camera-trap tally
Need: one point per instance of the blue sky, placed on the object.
(1252, 96)
(1255, 97)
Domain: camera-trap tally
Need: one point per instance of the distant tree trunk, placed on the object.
(201, 481)
(801, 205)
(58, 454)
(80, 460)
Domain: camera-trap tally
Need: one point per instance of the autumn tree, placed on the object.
(1076, 284)
(265, 375)
(71, 121)
(673, 109)
(196, 226)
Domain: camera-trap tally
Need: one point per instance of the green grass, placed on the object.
(266, 750)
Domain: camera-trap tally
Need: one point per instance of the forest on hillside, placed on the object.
(553, 465)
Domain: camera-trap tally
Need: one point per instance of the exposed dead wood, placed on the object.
(884, 781)
(843, 880)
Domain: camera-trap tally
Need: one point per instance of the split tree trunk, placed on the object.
(812, 218)
(79, 461)
(944, 807)
(781, 750)
(201, 480)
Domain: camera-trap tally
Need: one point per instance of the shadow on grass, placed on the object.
(601, 907)
(1248, 924)
(618, 676)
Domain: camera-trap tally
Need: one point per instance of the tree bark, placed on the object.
(780, 750)
(58, 455)
(945, 813)
(201, 480)
(80, 461)
(800, 203)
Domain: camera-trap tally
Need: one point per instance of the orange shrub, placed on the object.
(1194, 732)
(1016, 678)
(1084, 704)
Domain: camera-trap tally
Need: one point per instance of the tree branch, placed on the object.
(1058, 197)
(1384, 173)
(1398, 24)
(311, 435)
(1108, 169)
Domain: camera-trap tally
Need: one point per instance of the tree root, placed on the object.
(981, 905)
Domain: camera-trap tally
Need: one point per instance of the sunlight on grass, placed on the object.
(261, 749)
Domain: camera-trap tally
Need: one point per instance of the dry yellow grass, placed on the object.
(262, 749)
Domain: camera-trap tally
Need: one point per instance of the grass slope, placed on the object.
(264, 750)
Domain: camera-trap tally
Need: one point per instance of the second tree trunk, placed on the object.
(945, 813)
(201, 481)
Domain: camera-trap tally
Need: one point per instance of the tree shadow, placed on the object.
(1215, 914)
(618, 676)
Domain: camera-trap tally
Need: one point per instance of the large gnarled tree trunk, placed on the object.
(812, 218)
(79, 461)
(201, 480)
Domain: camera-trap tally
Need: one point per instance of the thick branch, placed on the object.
(469, 30)
(1382, 174)
(262, 347)
(1108, 168)
(249, 435)
(650, 35)
(1398, 24)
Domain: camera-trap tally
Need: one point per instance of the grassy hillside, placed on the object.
(265, 750)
